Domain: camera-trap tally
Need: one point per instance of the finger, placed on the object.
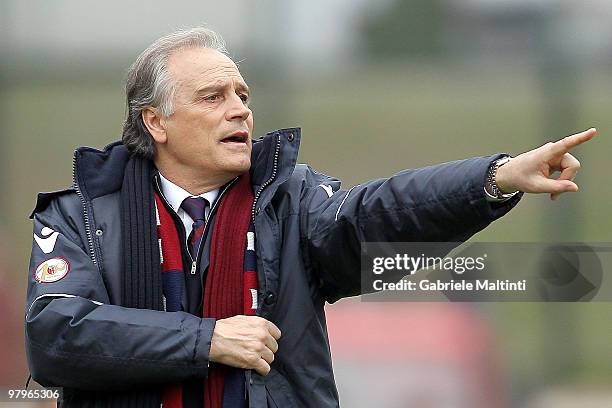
(262, 367)
(274, 331)
(271, 343)
(267, 355)
(570, 166)
(567, 143)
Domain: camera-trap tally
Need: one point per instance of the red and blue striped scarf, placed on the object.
(231, 283)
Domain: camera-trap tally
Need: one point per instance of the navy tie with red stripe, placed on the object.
(196, 208)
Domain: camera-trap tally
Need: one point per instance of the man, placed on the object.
(189, 266)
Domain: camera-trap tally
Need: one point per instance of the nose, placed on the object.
(237, 109)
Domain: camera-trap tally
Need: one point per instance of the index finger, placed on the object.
(567, 143)
(273, 330)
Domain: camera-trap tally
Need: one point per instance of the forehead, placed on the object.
(197, 67)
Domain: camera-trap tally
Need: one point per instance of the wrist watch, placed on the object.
(491, 188)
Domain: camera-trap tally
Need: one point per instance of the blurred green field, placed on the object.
(366, 123)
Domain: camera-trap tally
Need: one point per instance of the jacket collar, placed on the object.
(100, 172)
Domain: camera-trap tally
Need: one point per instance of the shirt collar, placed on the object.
(175, 195)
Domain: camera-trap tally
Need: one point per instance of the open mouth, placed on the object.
(236, 137)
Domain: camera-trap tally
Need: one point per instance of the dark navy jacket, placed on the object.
(308, 245)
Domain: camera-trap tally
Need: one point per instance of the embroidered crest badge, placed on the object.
(52, 270)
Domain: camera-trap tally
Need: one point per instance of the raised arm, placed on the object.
(444, 202)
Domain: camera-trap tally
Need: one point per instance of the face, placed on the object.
(211, 127)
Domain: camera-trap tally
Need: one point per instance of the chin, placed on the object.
(239, 167)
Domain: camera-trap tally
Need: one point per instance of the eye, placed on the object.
(244, 97)
(212, 98)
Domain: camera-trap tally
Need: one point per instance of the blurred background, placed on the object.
(377, 86)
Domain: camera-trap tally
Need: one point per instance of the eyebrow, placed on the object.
(241, 86)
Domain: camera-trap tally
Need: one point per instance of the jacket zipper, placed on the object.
(90, 243)
(247, 377)
(270, 180)
(194, 263)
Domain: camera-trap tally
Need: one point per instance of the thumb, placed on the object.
(554, 186)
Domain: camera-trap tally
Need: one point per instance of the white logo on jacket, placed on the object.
(328, 189)
(47, 243)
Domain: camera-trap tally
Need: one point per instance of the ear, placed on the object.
(155, 123)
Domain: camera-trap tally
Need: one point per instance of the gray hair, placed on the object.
(149, 84)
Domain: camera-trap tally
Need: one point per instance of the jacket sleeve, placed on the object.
(440, 203)
(75, 338)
